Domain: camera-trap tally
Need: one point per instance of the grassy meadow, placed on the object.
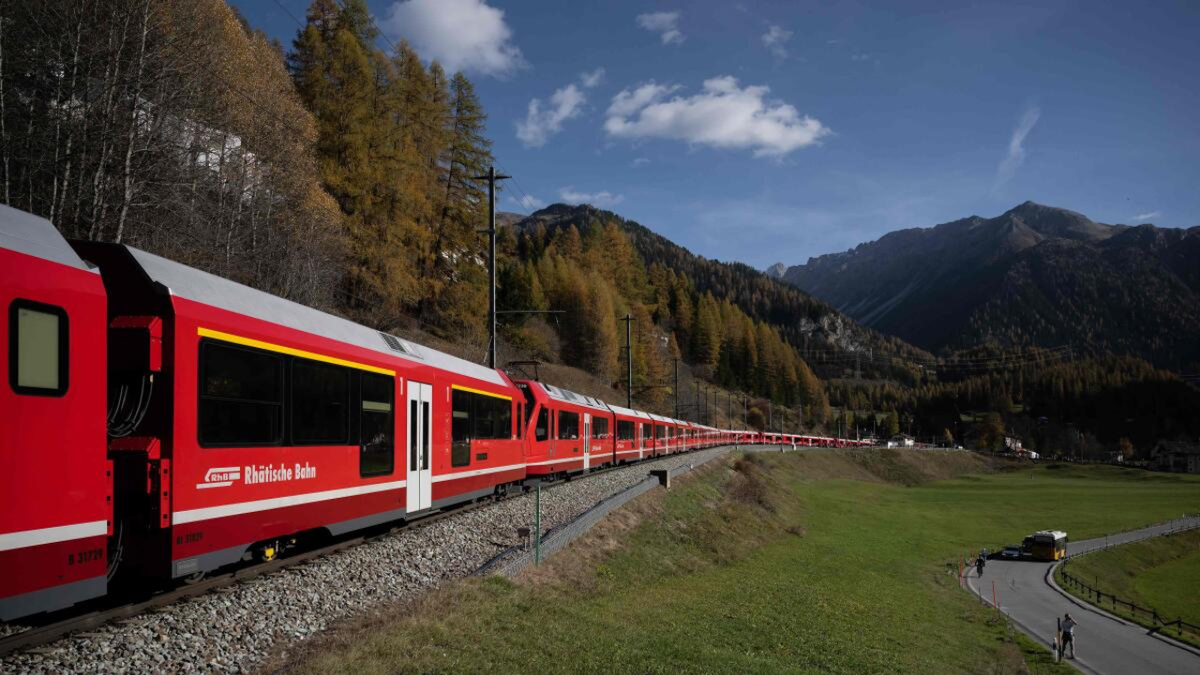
(810, 562)
(1162, 574)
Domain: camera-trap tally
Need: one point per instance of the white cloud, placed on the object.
(775, 40)
(666, 24)
(1016, 149)
(1143, 217)
(628, 102)
(592, 79)
(723, 115)
(603, 198)
(540, 124)
(466, 35)
(639, 162)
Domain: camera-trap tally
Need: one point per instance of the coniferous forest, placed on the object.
(340, 174)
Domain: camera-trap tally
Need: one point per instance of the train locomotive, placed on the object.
(158, 422)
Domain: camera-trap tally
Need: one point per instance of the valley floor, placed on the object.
(822, 561)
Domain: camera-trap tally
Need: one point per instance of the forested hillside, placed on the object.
(171, 126)
(598, 277)
(808, 324)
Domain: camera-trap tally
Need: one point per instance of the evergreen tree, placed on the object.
(891, 424)
(465, 154)
(343, 81)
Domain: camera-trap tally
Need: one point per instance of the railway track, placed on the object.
(77, 622)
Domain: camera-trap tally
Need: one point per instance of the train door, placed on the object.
(420, 465)
(587, 440)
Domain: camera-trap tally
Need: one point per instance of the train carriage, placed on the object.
(561, 420)
(664, 433)
(270, 420)
(54, 475)
(630, 444)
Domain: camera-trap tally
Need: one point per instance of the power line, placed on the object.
(289, 13)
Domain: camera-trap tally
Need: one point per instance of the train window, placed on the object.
(425, 417)
(474, 417)
(660, 431)
(320, 403)
(412, 435)
(624, 430)
(568, 425)
(376, 430)
(478, 416)
(600, 427)
(460, 428)
(241, 396)
(37, 349)
(645, 431)
(541, 430)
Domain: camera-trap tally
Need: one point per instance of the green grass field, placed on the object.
(1162, 574)
(801, 563)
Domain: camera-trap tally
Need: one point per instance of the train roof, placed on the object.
(560, 394)
(210, 289)
(629, 412)
(32, 235)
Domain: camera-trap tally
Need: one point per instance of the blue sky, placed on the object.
(775, 131)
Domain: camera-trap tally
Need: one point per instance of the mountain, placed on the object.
(811, 325)
(1034, 276)
(776, 271)
(508, 218)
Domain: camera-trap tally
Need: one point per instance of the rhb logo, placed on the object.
(220, 477)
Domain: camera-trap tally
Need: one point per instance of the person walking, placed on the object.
(1067, 628)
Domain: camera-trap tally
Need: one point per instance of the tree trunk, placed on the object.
(127, 192)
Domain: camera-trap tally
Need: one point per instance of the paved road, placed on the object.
(1106, 645)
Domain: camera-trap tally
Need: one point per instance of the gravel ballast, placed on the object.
(235, 628)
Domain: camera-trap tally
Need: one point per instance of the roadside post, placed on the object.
(537, 525)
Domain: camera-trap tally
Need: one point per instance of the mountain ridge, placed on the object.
(1035, 275)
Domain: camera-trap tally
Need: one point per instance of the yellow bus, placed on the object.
(1048, 545)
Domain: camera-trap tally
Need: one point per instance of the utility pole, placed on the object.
(491, 178)
(628, 360)
(746, 411)
(770, 421)
(707, 412)
(696, 388)
(729, 407)
(676, 390)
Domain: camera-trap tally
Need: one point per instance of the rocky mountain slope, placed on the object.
(1033, 276)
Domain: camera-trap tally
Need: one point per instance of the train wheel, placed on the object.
(194, 578)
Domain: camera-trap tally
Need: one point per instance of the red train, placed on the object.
(163, 422)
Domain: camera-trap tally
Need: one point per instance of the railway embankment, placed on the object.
(238, 628)
(821, 561)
